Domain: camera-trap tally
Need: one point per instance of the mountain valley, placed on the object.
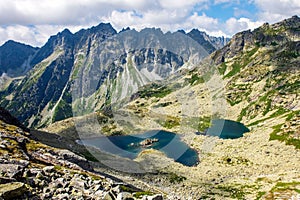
(98, 82)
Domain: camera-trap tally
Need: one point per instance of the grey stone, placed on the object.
(48, 169)
(108, 196)
(78, 183)
(11, 170)
(124, 196)
(155, 197)
(12, 190)
(63, 196)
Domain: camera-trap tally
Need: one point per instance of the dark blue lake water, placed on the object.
(169, 143)
(226, 129)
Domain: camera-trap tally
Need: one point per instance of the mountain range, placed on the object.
(99, 82)
(104, 60)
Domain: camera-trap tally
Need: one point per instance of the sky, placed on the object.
(34, 21)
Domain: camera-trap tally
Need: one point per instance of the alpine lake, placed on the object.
(169, 143)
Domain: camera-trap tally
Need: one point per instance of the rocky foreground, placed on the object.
(32, 170)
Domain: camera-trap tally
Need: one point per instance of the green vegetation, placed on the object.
(77, 66)
(222, 68)
(195, 79)
(204, 123)
(281, 186)
(238, 64)
(278, 134)
(169, 122)
(259, 195)
(279, 112)
(154, 90)
(234, 192)
(62, 111)
(236, 68)
(174, 178)
(141, 194)
(238, 96)
(126, 189)
(242, 114)
(268, 30)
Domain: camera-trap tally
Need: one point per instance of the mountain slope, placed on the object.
(253, 79)
(97, 66)
(33, 170)
(15, 58)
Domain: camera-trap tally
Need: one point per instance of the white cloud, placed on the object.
(180, 4)
(33, 35)
(234, 25)
(273, 11)
(33, 21)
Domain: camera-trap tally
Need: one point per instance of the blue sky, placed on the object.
(224, 11)
(33, 21)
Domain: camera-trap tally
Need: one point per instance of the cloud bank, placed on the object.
(33, 21)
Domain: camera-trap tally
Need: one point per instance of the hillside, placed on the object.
(33, 170)
(138, 85)
(254, 79)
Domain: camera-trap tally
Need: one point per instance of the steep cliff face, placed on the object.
(96, 67)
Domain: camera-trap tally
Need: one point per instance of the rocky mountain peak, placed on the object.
(202, 39)
(267, 35)
(14, 57)
(65, 33)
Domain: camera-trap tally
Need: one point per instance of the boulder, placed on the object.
(48, 170)
(124, 196)
(12, 190)
(155, 197)
(11, 170)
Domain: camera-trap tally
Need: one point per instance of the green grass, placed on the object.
(222, 68)
(204, 123)
(125, 189)
(278, 134)
(236, 68)
(141, 194)
(169, 122)
(242, 114)
(260, 194)
(195, 79)
(62, 111)
(174, 178)
(234, 192)
(282, 186)
(154, 90)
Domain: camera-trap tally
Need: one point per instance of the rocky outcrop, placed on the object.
(13, 190)
(32, 170)
(148, 142)
(266, 35)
